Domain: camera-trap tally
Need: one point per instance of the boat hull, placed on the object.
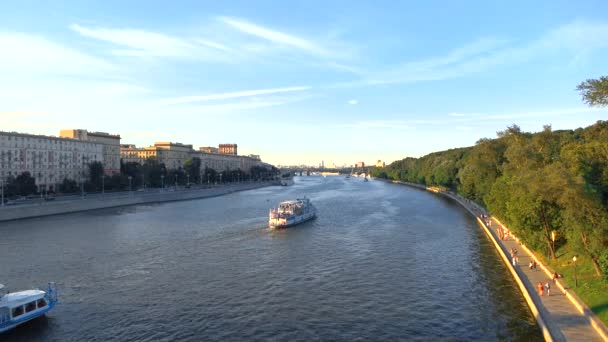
(28, 317)
(292, 221)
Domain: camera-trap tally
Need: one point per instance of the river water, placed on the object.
(381, 262)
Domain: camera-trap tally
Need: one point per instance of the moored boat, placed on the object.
(19, 307)
(290, 213)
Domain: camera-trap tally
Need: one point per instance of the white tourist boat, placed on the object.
(287, 179)
(19, 307)
(290, 213)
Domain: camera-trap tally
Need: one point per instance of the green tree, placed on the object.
(152, 171)
(481, 167)
(96, 172)
(25, 184)
(587, 224)
(594, 91)
(68, 186)
(193, 168)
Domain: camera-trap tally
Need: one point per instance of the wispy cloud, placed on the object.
(576, 38)
(25, 54)
(465, 121)
(230, 95)
(466, 117)
(353, 102)
(139, 43)
(275, 36)
(370, 124)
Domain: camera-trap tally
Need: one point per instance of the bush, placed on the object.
(603, 261)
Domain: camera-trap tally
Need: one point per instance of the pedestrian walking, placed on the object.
(548, 288)
(540, 288)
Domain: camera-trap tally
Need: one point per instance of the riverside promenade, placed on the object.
(562, 316)
(119, 199)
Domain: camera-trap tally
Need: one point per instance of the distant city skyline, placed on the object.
(336, 81)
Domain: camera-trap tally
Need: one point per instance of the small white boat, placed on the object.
(19, 307)
(290, 213)
(287, 179)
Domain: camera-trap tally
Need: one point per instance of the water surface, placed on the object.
(381, 262)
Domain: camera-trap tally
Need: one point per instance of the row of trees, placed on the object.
(551, 181)
(149, 174)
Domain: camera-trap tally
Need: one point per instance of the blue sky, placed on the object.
(300, 81)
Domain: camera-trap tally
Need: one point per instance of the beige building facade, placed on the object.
(174, 156)
(110, 142)
(48, 159)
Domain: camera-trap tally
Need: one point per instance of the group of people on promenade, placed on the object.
(546, 288)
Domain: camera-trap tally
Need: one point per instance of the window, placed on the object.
(29, 307)
(18, 311)
(41, 303)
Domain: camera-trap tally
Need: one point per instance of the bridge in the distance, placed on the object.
(307, 171)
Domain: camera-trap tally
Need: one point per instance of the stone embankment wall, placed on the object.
(110, 200)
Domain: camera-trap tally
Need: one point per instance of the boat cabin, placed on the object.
(22, 305)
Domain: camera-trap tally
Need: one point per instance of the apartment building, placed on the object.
(110, 142)
(48, 159)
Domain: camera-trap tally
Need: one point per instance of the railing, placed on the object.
(51, 293)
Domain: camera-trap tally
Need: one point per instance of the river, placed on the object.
(380, 262)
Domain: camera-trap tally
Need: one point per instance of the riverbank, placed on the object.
(561, 316)
(110, 200)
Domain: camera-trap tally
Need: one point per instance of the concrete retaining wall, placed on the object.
(117, 200)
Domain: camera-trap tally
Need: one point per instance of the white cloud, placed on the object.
(25, 54)
(139, 43)
(230, 95)
(275, 36)
(353, 102)
(576, 38)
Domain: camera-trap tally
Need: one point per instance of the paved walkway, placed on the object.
(561, 316)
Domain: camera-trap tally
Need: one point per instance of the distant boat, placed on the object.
(287, 179)
(365, 179)
(290, 213)
(19, 307)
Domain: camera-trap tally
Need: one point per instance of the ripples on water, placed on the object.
(381, 262)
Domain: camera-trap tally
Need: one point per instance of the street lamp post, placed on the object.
(176, 181)
(553, 239)
(575, 278)
(162, 182)
(103, 184)
(221, 178)
(130, 184)
(187, 180)
(2, 191)
(208, 179)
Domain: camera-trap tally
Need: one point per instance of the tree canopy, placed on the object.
(536, 183)
(594, 91)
